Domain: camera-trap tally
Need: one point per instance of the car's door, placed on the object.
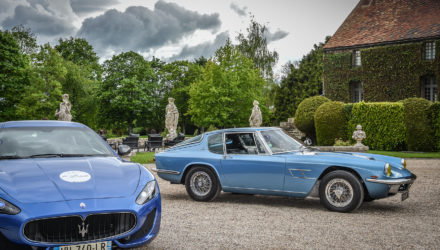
(246, 164)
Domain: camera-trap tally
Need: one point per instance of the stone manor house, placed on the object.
(385, 50)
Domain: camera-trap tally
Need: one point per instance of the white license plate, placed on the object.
(405, 195)
(106, 245)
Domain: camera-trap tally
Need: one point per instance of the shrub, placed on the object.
(419, 133)
(305, 114)
(330, 123)
(434, 115)
(340, 142)
(211, 128)
(383, 123)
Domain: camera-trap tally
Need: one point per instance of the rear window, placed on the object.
(190, 141)
(215, 144)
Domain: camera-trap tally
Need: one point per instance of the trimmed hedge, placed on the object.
(305, 114)
(330, 123)
(419, 135)
(434, 115)
(383, 123)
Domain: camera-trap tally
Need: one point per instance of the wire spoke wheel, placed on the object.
(200, 183)
(339, 192)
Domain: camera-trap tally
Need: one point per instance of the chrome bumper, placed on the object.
(392, 181)
(164, 171)
(401, 185)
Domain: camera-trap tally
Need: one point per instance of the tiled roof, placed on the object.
(382, 21)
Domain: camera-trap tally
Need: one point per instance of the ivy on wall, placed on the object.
(388, 73)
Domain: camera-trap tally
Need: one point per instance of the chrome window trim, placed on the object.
(244, 132)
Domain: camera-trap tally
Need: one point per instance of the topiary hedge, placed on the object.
(330, 123)
(305, 114)
(419, 135)
(383, 123)
(434, 115)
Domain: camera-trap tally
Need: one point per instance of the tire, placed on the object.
(202, 184)
(341, 191)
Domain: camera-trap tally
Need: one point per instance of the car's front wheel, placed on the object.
(202, 184)
(341, 191)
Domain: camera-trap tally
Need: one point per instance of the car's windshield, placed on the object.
(279, 142)
(50, 142)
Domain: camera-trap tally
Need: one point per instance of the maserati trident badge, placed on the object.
(83, 229)
(82, 205)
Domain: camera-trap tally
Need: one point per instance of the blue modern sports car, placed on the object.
(62, 187)
(267, 161)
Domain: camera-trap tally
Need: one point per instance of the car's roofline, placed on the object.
(40, 123)
(247, 129)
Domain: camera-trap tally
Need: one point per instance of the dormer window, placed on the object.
(429, 51)
(356, 58)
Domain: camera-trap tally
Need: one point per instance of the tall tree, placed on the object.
(80, 52)
(13, 75)
(125, 96)
(179, 75)
(27, 41)
(42, 97)
(254, 46)
(302, 80)
(223, 96)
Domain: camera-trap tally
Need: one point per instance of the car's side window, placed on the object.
(240, 143)
(215, 144)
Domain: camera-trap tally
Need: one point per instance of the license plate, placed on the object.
(405, 195)
(106, 245)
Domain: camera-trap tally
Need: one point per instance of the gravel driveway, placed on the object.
(266, 222)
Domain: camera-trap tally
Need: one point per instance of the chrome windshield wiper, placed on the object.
(11, 157)
(65, 155)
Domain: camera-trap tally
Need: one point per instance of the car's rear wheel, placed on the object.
(202, 184)
(341, 191)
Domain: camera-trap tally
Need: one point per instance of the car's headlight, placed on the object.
(387, 169)
(147, 193)
(403, 161)
(8, 208)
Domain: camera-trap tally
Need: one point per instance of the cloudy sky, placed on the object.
(177, 29)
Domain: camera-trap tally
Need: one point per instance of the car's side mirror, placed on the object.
(123, 150)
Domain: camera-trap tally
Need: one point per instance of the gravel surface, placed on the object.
(266, 222)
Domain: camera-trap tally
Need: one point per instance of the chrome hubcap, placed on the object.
(200, 183)
(339, 192)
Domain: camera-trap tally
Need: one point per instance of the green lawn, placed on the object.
(407, 154)
(143, 157)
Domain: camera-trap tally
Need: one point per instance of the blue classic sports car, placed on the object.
(63, 187)
(267, 161)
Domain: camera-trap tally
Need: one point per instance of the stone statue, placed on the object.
(359, 135)
(256, 118)
(64, 113)
(171, 119)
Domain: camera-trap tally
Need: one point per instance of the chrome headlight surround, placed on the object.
(403, 162)
(147, 193)
(387, 169)
(8, 208)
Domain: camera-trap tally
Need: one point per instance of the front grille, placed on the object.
(144, 230)
(72, 229)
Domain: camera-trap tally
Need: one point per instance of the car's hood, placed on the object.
(352, 159)
(58, 179)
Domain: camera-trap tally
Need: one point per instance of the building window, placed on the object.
(429, 51)
(356, 58)
(429, 88)
(357, 93)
